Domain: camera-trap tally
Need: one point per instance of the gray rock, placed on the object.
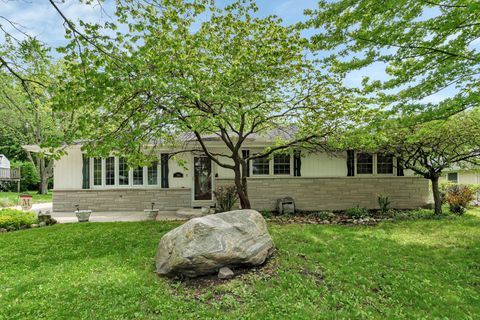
(34, 225)
(42, 224)
(225, 273)
(3, 230)
(44, 217)
(203, 245)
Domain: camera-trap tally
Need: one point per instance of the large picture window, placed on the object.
(97, 171)
(364, 163)
(122, 172)
(110, 171)
(281, 163)
(261, 166)
(152, 172)
(452, 177)
(384, 164)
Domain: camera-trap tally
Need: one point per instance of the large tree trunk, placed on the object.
(241, 184)
(436, 195)
(44, 174)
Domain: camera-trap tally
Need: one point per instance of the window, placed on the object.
(138, 176)
(452, 177)
(97, 171)
(261, 166)
(110, 171)
(364, 163)
(384, 164)
(153, 174)
(122, 172)
(281, 163)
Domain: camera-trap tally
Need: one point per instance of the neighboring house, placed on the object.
(316, 181)
(4, 168)
(468, 176)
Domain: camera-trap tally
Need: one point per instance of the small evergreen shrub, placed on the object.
(15, 219)
(226, 198)
(458, 197)
(356, 212)
(384, 204)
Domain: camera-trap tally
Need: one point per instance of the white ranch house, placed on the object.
(316, 181)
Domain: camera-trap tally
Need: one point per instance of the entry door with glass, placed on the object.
(202, 178)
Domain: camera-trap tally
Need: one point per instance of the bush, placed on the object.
(15, 219)
(356, 212)
(383, 203)
(226, 198)
(29, 180)
(458, 197)
(267, 214)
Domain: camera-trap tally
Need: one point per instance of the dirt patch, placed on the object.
(207, 282)
(315, 275)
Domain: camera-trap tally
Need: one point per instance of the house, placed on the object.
(4, 162)
(462, 175)
(316, 181)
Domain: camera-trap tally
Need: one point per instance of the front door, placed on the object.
(203, 178)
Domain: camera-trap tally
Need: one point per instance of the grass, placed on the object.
(410, 270)
(10, 199)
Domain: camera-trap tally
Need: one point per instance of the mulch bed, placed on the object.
(337, 219)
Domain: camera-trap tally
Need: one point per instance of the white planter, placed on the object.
(83, 215)
(151, 214)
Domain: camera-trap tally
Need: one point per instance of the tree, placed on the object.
(26, 109)
(424, 47)
(190, 69)
(430, 148)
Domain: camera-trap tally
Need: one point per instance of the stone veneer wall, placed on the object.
(336, 193)
(121, 199)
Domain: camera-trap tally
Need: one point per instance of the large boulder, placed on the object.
(204, 245)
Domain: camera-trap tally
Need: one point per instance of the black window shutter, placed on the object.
(400, 172)
(297, 163)
(85, 172)
(246, 170)
(350, 163)
(164, 170)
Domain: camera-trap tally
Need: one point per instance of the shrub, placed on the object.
(322, 215)
(383, 203)
(29, 175)
(356, 212)
(226, 198)
(266, 213)
(458, 197)
(15, 219)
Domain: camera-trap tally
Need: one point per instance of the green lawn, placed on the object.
(9, 199)
(410, 270)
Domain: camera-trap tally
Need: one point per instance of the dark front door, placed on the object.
(203, 178)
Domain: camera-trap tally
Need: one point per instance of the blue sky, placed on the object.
(38, 18)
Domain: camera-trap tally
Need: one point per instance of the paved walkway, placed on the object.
(70, 217)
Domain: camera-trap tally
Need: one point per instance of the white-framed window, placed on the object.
(452, 177)
(114, 172)
(152, 174)
(261, 166)
(374, 164)
(281, 164)
(110, 171)
(364, 163)
(123, 172)
(97, 171)
(138, 176)
(384, 164)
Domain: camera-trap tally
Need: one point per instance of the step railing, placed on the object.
(10, 174)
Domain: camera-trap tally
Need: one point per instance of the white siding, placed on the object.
(316, 165)
(174, 166)
(67, 172)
